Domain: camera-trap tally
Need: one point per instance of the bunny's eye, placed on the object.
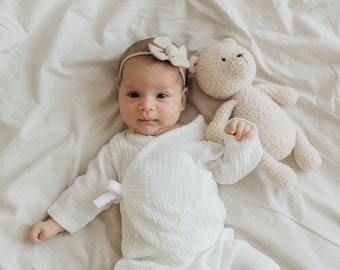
(223, 59)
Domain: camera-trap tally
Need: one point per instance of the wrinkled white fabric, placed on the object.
(58, 107)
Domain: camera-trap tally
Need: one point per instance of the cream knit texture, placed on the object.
(170, 203)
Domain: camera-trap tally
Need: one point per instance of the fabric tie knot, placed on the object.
(171, 51)
(163, 49)
(114, 194)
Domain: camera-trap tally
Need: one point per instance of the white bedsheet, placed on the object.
(58, 66)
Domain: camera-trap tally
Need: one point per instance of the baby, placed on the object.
(163, 173)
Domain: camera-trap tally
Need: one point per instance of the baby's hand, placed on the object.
(45, 230)
(240, 128)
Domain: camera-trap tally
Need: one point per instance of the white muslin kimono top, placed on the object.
(167, 190)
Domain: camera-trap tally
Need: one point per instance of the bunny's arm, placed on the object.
(283, 95)
(216, 127)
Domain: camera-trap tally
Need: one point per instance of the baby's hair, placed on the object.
(140, 47)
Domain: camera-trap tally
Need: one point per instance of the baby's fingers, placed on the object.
(44, 230)
(240, 129)
(237, 128)
(248, 132)
(231, 127)
(35, 233)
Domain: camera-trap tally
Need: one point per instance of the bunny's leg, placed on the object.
(281, 175)
(306, 156)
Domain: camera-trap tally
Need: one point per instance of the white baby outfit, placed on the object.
(172, 216)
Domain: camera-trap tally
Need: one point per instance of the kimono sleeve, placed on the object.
(75, 207)
(236, 160)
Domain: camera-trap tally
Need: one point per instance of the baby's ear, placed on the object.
(193, 64)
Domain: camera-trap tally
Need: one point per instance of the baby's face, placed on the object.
(151, 96)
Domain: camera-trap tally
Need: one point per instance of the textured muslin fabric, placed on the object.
(227, 253)
(170, 207)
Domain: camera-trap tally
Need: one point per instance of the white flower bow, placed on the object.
(114, 194)
(165, 50)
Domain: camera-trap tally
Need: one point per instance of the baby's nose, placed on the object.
(146, 105)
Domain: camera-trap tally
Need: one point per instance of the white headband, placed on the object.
(164, 50)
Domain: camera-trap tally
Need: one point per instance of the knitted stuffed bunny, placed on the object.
(226, 71)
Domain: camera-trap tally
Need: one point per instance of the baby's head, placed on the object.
(152, 91)
(157, 49)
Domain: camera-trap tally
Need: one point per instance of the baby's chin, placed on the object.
(155, 131)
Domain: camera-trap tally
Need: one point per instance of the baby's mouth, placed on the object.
(146, 119)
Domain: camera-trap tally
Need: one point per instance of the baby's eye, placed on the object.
(133, 95)
(162, 95)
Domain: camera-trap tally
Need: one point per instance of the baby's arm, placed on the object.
(242, 152)
(241, 129)
(45, 230)
(75, 207)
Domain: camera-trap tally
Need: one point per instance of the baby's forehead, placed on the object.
(139, 69)
(147, 61)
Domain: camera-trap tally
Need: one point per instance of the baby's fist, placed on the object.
(242, 130)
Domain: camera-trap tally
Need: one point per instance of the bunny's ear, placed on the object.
(229, 40)
(193, 64)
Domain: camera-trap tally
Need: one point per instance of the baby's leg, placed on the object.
(233, 254)
(248, 258)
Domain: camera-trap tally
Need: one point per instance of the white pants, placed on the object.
(226, 254)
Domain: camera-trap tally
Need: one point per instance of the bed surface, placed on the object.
(58, 66)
